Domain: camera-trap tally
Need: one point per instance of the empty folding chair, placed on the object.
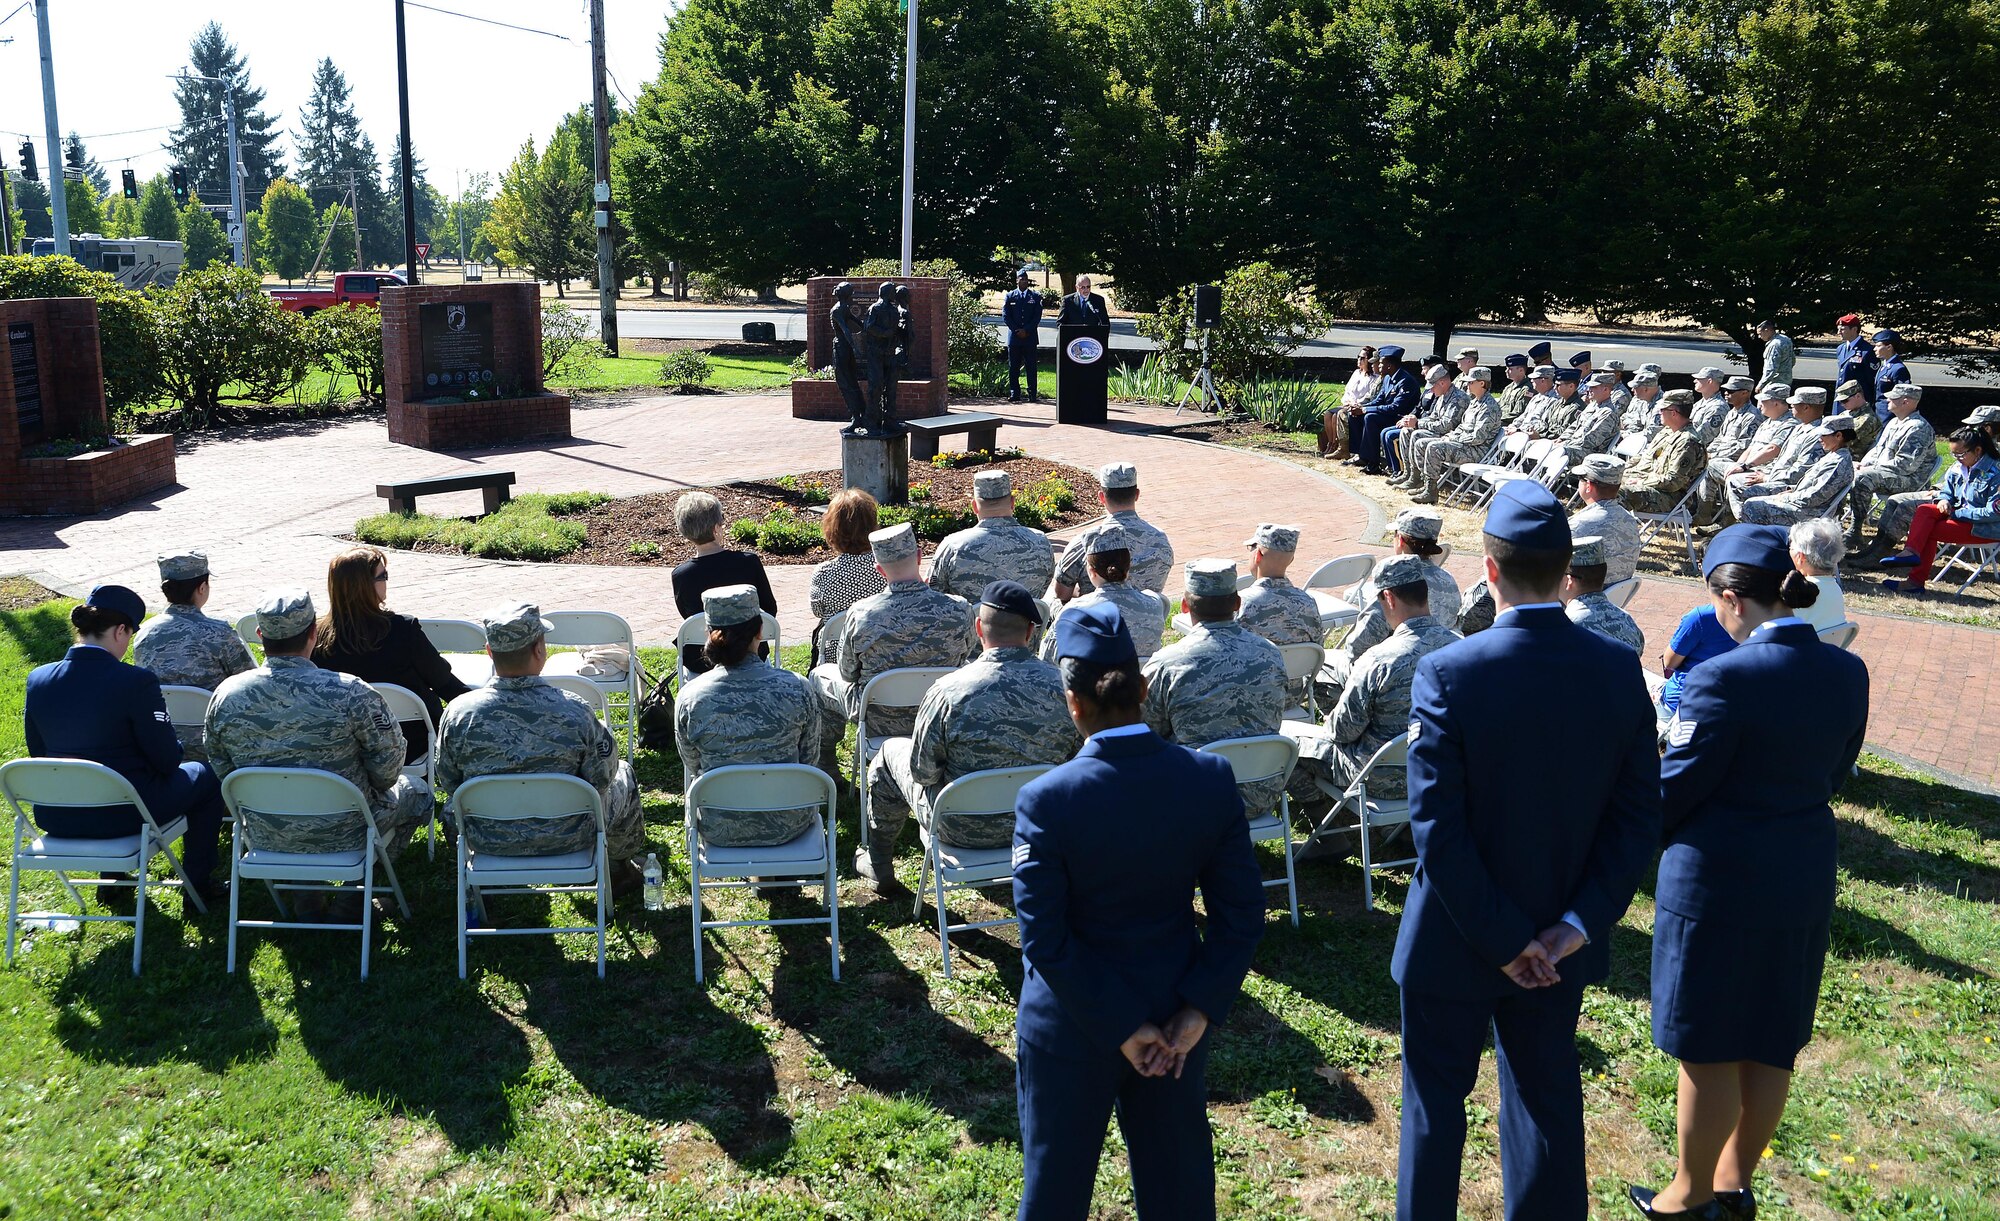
(810, 857)
(1371, 813)
(587, 629)
(1302, 661)
(404, 705)
(1841, 635)
(904, 687)
(539, 795)
(1620, 592)
(1680, 517)
(66, 783)
(1337, 574)
(1264, 758)
(947, 867)
(246, 630)
(303, 795)
(1977, 559)
(463, 644)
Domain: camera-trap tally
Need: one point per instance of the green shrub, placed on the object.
(1291, 406)
(569, 351)
(534, 526)
(809, 491)
(684, 372)
(1266, 313)
(985, 376)
(644, 549)
(955, 459)
(218, 326)
(127, 330)
(1041, 501)
(1149, 381)
(779, 532)
(349, 341)
(558, 504)
(929, 521)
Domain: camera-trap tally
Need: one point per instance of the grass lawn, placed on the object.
(535, 1090)
(643, 373)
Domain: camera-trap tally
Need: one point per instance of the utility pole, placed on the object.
(607, 257)
(235, 167)
(58, 191)
(409, 188)
(6, 215)
(910, 138)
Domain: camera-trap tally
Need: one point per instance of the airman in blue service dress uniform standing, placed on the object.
(1021, 314)
(1738, 945)
(1118, 987)
(1518, 867)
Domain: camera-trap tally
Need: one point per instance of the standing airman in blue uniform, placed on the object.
(1518, 867)
(1744, 903)
(1021, 314)
(1891, 372)
(1118, 986)
(1855, 360)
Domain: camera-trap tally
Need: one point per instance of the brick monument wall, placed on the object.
(525, 411)
(922, 392)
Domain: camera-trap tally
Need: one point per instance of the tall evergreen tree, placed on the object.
(201, 141)
(75, 153)
(158, 218)
(31, 200)
(334, 154)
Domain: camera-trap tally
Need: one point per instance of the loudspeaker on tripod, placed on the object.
(1207, 306)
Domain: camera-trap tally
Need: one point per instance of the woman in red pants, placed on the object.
(1967, 510)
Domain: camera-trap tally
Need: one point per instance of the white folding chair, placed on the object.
(948, 867)
(1621, 592)
(1841, 635)
(585, 690)
(1486, 479)
(1680, 517)
(694, 633)
(55, 784)
(463, 644)
(1262, 758)
(246, 630)
(1337, 574)
(904, 687)
(404, 705)
(1630, 445)
(813, 855)
(1504, 456)
(1302, 661)
(303, 794)
(1976, 558)
(501, 799)
(1371, 813)
(187, 712)
(833, 625)
(621, 691)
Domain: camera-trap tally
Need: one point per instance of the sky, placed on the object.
(476, 90)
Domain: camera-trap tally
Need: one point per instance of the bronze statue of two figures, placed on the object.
(877, 346)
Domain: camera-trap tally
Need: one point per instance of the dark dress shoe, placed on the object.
(1898, 561)
(120, 899)
(1642, 1199)
(214, 890)
(1738, 1205)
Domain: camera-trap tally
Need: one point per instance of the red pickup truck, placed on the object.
(350, 288)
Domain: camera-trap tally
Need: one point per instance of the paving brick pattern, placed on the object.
(269, 509)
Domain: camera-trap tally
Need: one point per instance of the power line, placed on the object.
(489, 21)
(17, 12)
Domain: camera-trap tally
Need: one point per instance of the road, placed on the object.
(1676, 355)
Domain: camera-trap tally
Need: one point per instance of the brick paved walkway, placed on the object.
(269, 511)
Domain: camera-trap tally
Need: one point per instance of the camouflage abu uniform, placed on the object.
(1374, 708)
(1145, 614)
(907, 624)
(185, 648)
(1705, 415)
(1609, 520)
(1152, 552)
(993, 549)
(1219, 681)
(751, 713)
(1372, 628)
(1477, 612)
(1004, 708)
(1280, 612)
(1595, 611)
(1817, 495)
(1901, 460)
(1477, 425)
(291, 713)
(1514, 400)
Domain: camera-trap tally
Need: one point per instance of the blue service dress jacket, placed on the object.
(1021, 310)
(1516, 827)
(1108, 851)
(91, 705)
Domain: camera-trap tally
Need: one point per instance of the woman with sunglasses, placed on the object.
(359, 635)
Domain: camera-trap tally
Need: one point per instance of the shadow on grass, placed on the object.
(1921, 800)
(1859, 935)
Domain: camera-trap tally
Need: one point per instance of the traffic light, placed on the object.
(131, 184)
(74, 158)
(180, 180)
(28, 169)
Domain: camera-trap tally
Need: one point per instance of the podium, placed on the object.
(1083, 372)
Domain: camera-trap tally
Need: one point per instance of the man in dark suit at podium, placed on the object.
(1083, 307)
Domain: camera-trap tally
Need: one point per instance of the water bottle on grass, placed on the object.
(656, 890)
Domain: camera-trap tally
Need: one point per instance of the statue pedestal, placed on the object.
(879, 466)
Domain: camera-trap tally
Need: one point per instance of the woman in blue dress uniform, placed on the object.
(1765, 735)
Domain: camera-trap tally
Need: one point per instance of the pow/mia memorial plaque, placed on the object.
(457, 339)
(27, 374)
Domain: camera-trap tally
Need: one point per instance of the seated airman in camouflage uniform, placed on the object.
(1657, 479)
(1599, 479)
(291, 713)
(1273, 607)
(1818, 491)
(1374, 707)
(907, 624)
(1595, 428)
(1004, 708)
(1437, 414)
(1640, 416)
(1145, 612)
(1851, 398)
(1799, 450)
(1477, 426)
(998, 548)
(745, 711)
(518, 723)
(1515, 394)
(1902, 460)
(185, 648)
(1774, 426)
(1152, 552)
(1584, 601)
(1417, 533)
(1218, 681)
(1527, 416)
(1709, 402)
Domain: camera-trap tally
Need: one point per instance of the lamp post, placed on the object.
(237, 235)
(409, 188)
(58, 189)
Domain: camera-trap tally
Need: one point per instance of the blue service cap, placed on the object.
(1012, 597)
(1527, 514)
(1390, 352)
(1542, 352)
(1580, 359)
(1886, 336)
(1569, 375)
(119, 600)
(1518, 360)
(1095, 634)
(1758, 546)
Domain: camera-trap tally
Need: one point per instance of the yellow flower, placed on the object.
(1848, 1159)
(1874, 1166)
(1767, 1153)
(1835, 1136)
(1820, 1173)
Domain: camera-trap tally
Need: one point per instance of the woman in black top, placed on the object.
(360, 636)
(698, 516)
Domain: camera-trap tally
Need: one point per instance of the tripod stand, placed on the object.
(1210, 400)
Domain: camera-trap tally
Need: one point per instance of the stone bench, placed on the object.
(497, 486)
(981, 430)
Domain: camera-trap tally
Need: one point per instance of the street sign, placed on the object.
(423, 250)
(235, 233)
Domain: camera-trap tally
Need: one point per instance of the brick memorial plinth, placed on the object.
(920, 391)
(462, 367)
(51, 391)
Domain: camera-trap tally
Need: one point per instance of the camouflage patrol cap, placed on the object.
(1835, 423)
(1615, 365)
(1268, 537)
(1601, 468)
(1479, 373)
(992, 485)
(1906, 390)
(1651, 367)
(729, 605)
(1211, 578)
(1679, 400)
(1547, 372)
(285, 613)
(1462, 353)
(1115, 475)
(1984, 415)
(1847, 389)
(1739, 382)
(1400, 570)
(1586, 551)
(509, 629)
(1111, 538)
(1711, 373)
(1420, 524)
(893, 544)
(1646, 377)
(1602, 378)
(1808, 394)
(186, 566)
(1775, 390)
